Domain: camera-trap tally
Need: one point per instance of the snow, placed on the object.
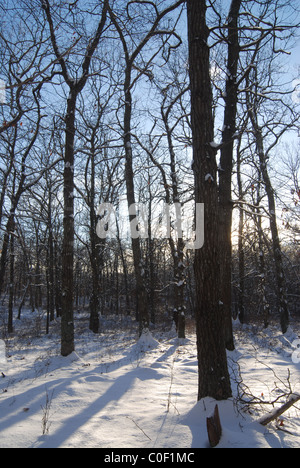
(123, 392)
(2, 352)
(249, 435)
(209, 178)
(180, 283)
(146, 342)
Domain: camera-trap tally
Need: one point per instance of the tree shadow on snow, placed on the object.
(12, 407)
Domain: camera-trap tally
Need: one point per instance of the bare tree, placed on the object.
(249, 28)
(226, 164)
(20, 178)
(167, 127)
(280, 275)
(101, 179)
(214, 378)
(135, 68)
(76, 85)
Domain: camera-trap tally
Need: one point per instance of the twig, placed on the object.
(139, 428)
(46, 413)
(245, 395)
(265, 420)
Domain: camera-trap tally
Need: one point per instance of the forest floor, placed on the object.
(117, 392)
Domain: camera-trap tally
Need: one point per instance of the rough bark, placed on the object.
(214, 378)
(226, 168)
(10, 327)
(67, 320)
(214, 428)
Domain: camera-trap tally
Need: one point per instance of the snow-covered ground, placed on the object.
(115, 392)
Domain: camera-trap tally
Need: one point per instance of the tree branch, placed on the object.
(268, 418)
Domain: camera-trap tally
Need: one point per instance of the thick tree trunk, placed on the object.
(67, 319)
(226, 167)
(10, 326)
(214, 378)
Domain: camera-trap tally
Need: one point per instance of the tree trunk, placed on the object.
(58, 271)
(214, 428)
(262, 264)
(94, 254)
(150, 255)
(214, 378)
(226, 167)
(10, 326)
(141, 293)
(178, 253)
(241, 253)
(67, 319)
(5, 246)
(180, 286)
(125, 270)
(76, 86)
(179, 312)
(279, 270)
(51, 263)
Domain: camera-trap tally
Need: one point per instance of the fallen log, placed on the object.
(268, 418)
(214, 428)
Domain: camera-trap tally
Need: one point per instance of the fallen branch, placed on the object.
(268, 418)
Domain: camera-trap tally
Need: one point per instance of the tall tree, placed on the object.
(278, 256)
(271, 115)
(226, 165)
(133, 49)
(214, 378)
(246, 32)
(19, 183)
(76, 86)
